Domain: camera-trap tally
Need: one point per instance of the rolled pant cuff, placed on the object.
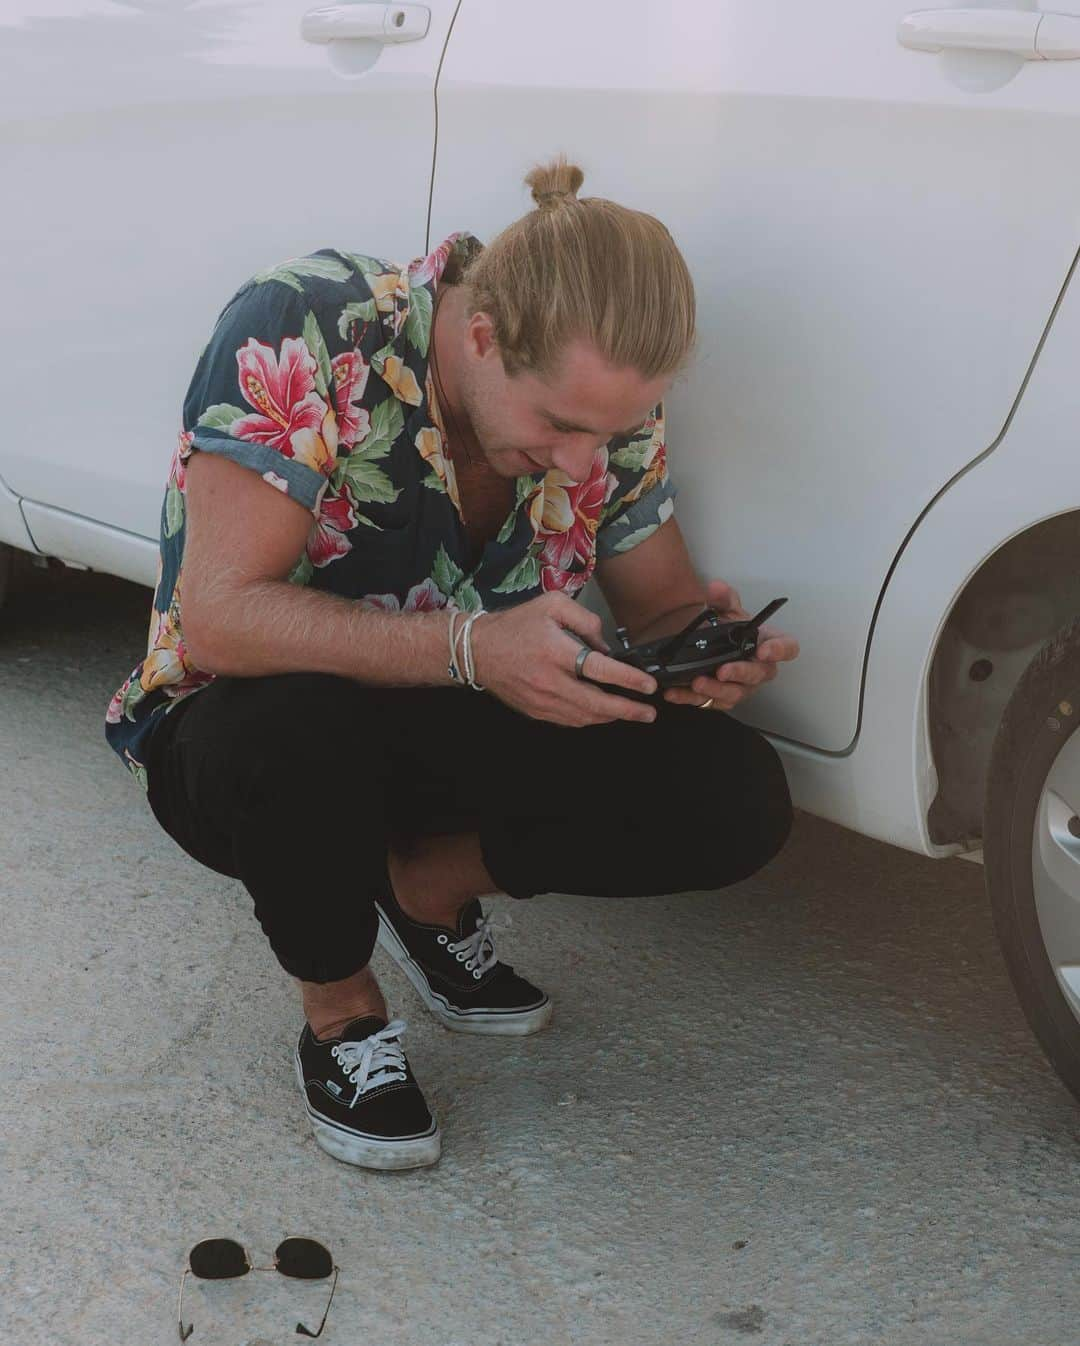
(319, 969)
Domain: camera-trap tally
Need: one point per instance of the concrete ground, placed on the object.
(803, 1110)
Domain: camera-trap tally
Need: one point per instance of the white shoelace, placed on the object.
(479, 947)
(376, 1060)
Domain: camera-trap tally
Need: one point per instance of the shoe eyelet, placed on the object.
(460, 956)
(469, 965)
(443, 939)
(450, 948)
(478, 975)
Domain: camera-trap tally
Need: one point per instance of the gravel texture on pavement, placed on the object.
(806, 1109)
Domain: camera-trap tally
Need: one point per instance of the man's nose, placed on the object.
(576, 460)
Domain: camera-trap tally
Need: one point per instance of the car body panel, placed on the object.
(870, 296)
(161, 156)
(885, 784)
(13, 530)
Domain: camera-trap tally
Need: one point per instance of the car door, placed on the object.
(877, 235)
(155, 156)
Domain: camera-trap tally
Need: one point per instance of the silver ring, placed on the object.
(706, 704)
(579, 662)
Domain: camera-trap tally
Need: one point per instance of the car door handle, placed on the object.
(375, 22)
(1025, 33)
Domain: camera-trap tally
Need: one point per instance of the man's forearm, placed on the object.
(276, 627)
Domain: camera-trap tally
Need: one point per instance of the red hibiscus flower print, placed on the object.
(426, 268)
(567, 520)
(426, 597)
(337, 517)
(350, 380)
(115, 712)
(181, 454)
(282, 391)
(568, 582)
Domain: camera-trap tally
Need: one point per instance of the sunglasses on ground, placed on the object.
(224, 1259)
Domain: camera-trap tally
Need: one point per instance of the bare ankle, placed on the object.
(323, 1032)
(438, 877)
(329, 1006)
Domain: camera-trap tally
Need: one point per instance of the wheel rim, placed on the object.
(1055, 862)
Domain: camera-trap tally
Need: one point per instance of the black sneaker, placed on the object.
(365, 1106)
(457, 974)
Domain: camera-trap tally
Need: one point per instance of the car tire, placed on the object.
(1031, 847)
(7, 567)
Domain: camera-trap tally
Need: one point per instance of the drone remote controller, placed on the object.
(703, 645)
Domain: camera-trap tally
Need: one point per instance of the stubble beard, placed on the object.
(486, 438)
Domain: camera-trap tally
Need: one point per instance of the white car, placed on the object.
(882, 216)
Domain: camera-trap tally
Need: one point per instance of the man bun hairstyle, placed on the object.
(551, 184)
(583, 268)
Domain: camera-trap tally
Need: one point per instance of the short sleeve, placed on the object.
(643, 494)
(262, 392)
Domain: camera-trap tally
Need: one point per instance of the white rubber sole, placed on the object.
(369, 1151)
(492, 1023)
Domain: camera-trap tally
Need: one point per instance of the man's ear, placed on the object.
(480, 336)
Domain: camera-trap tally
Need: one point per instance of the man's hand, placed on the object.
(732, 683)
(525, 655)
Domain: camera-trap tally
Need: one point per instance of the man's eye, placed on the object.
(562, 429)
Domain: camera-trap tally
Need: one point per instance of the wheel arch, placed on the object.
(1019, 598)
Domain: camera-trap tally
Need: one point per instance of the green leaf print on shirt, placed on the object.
(368, 483)
(506, 532)
(359, 312)
(418, 323)
(325, 268)
(220, 417)
(324, 372)
(366, 265)
(458, 587)
(632, 455)
(447, 574)
(467, 597)
(524, 487)
(525, 575)
(631, 540)
(302, 572)
(132, 696)
(174, 510)
(387, 421)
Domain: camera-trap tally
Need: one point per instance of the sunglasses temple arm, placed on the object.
(306, 1331)
(180, 1311)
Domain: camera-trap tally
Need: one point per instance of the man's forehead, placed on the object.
(587, 393)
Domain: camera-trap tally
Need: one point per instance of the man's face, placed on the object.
(527, 424)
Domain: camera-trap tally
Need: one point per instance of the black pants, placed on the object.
(297, 783)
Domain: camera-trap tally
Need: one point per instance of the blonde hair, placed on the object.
(583, 268)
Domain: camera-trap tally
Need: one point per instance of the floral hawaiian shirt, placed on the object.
(316, 377)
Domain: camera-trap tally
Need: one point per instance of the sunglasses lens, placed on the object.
(303, 1258)
(217, 1260)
